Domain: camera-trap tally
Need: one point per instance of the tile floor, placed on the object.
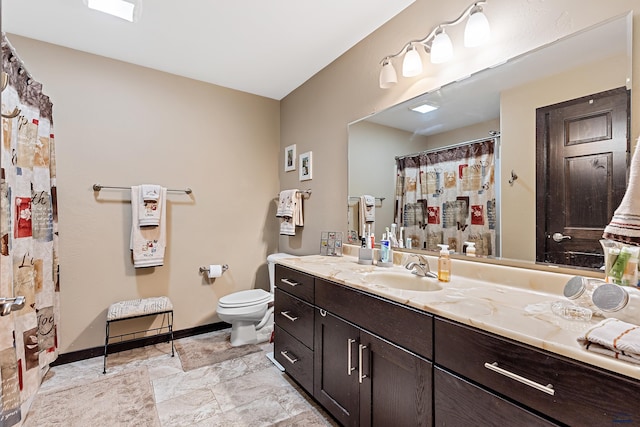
(246, 391)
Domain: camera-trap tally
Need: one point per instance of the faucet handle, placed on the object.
(421, 259)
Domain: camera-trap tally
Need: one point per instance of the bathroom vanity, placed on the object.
(467, 354)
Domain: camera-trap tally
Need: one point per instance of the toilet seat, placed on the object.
(245, 298)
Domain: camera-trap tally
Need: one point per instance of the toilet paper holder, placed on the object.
(205, 269)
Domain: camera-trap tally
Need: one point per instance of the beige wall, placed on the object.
(120, 124)
(315, 116)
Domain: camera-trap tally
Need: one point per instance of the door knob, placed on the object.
(559, 237)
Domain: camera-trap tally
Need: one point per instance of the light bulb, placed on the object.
(441, 48)
(412, 63)
(477, 31)
(388, 76)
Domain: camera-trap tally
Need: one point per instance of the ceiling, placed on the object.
(267, 48)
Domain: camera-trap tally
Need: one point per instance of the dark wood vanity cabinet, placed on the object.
(362, 378)
(558, 388)
(294, 318)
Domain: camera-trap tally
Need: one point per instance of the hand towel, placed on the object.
(615, 338)
(290, 210)
(148, 243)
(367, 211)
(151, 201)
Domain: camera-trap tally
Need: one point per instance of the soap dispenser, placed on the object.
(471, 248)
(444, 264)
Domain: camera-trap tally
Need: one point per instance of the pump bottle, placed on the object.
(444, 264)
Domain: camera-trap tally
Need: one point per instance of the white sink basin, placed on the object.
(401, 280)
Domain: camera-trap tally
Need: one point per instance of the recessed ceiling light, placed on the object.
(120, 8)
(424, 108)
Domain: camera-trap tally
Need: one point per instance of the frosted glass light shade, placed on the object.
(412, 63)
(477, 31)
(388, 76)
(441, 48)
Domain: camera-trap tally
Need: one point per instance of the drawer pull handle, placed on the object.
(285, 354)
(289, 282)
(286, 314)
(349, 367)
(495, 368)
(361, 376)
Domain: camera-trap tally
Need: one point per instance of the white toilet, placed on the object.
(250, 312)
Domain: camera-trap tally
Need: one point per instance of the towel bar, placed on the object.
(98, 187)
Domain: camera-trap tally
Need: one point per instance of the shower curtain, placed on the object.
(448, 197)
(28, 237)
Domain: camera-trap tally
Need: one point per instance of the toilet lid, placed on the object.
(243, 298)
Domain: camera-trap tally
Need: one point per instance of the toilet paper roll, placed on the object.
(215, 270)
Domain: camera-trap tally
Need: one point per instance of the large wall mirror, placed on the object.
(499, 102)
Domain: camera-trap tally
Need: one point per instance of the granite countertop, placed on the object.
(517, 308)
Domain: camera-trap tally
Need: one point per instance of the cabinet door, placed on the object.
(335, 367)
(460, 403)
(395, 387)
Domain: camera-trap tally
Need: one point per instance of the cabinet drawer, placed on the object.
(582, 395)
(294, 316)
(295, 282)
(402, 325)
(460, 403)
(295, 357)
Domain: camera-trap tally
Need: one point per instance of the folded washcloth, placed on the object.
(150, 192)
(147, 243)
(290, 210)
(151, 204)
(615, 338)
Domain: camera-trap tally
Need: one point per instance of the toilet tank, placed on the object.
(271, 263)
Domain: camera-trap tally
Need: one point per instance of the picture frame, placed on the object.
(290, 158)
(306, 166)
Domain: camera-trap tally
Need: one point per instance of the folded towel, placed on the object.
(615, 338)
(151, 204)
(148, 243)
(290, 210)
(367, 212)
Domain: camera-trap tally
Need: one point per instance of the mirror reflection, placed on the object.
(503, 104)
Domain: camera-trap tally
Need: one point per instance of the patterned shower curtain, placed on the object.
(28, 235)
(448, 197)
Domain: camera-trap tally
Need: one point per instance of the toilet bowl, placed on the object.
(250, 312)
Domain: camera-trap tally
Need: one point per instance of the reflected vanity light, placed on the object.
(424, 108)
(437, 44)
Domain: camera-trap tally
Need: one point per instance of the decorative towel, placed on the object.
(615, 338)
(367, 210)
(147, 243)
(290, 210)
(151, 202)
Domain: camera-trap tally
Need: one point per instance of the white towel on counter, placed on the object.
(290, 210)
(151, 203)
(367, 213)
(615, 338)
(147, 243)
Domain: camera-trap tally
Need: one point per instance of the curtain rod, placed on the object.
(492, 135)
(98, 187)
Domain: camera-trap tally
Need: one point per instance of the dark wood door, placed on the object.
(336, 368)
(395, 387)
(582, 153)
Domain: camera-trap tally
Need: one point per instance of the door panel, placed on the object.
(582, 155)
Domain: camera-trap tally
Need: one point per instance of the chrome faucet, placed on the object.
(421, 267)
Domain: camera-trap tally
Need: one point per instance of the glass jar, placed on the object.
(620, 302)
(579, 290)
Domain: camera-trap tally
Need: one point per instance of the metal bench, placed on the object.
(132, 309)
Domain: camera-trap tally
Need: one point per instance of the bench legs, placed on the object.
(169, 333)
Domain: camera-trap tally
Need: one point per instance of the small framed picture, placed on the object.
(290, 158)
(305, 166)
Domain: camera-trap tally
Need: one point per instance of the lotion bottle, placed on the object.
(444, 264)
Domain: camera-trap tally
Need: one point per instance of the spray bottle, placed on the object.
(444, 264)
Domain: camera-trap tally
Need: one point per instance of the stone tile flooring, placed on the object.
(246, 391)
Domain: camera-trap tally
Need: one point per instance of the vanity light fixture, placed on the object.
(127, 10)
(437, 44)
